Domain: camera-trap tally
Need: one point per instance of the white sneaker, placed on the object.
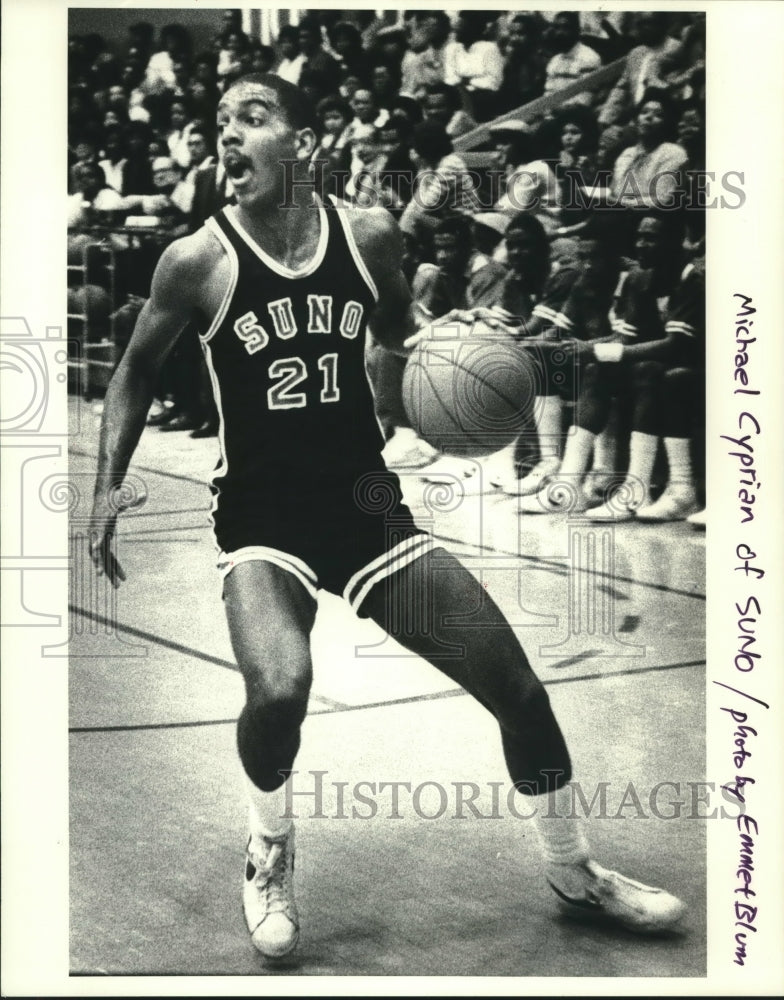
(531, 483)
(268, 896)
(697, 520)
(406, 450)
(675, 504)
(554, 498)
(635, 906)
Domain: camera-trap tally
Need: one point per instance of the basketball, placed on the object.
(469, 390)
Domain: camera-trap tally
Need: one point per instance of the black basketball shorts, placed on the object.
(344, 537)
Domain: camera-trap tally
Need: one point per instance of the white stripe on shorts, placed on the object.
(262, 553)
(361, 583)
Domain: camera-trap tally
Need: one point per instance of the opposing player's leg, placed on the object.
(437, 609)
(270, 612)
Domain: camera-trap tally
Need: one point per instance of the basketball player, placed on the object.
(282, 297)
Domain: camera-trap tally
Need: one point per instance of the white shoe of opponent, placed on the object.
(641, 908)
(268, 896)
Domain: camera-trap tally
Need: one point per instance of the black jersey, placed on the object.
(301, 468)
(286, 355)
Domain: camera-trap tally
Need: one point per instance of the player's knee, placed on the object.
(278, 681)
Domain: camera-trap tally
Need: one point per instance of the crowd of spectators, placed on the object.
(548, 217)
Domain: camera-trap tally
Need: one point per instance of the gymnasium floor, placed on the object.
(157, 804)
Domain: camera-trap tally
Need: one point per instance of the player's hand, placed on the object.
(103, 526)
(481, 319)
(101, 542)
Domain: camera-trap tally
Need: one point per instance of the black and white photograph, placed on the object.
(392, 548)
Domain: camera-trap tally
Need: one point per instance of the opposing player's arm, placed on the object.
(174, 299)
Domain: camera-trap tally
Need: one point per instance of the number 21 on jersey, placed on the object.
(291, 372)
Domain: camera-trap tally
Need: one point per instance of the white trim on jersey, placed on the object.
(308, 268)
(231, 253)
(362, 582)
(340, 211)
(223, 467)
(263, 553)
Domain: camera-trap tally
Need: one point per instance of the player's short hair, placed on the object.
(296, 106)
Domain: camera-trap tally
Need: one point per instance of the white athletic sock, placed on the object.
(577, 454)
(267, 811)
(561, 836)
(548, 425)
(679, 459)
(642, 455)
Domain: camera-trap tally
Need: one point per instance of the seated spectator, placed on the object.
(528, 261)
(442, 104)
(475, 64)
(205, 70)
(334, 148)
(524, 63)
(385, 84)
(182, 78)
(262, 58)
(203, 100)
(231, 57)
(576, 167)
(425, 66)
(137, 174)
(691, 135)
(94, 202)
(346, 43)
(645, 67)
(132, 78)
(291, 59)
(647, 175)
(366, 112)
(180, 127)
(201, 150)
(175, 46)
(529, 185)
(573, 59)
(114, 162)
(316, 59)
(442, 184)
(461, 276)
(366, 186)
(397, 172)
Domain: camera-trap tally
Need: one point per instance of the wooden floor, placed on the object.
(613, 620)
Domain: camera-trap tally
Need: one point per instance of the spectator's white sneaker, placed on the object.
(268, 896)
(596, 485)
(697, 520)
(447, 469)
(531, 483)
(637, 907)
(554, 498)
(675, 504)
(406, 450)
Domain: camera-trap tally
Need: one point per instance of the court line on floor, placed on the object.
(544, 563)
(178, 647)
(410, 700)
(552, 565)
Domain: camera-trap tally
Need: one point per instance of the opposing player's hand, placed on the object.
(483, 320)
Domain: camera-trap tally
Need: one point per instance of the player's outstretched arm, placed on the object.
(173, 299)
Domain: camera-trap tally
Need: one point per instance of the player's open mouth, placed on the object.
(238, 167)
